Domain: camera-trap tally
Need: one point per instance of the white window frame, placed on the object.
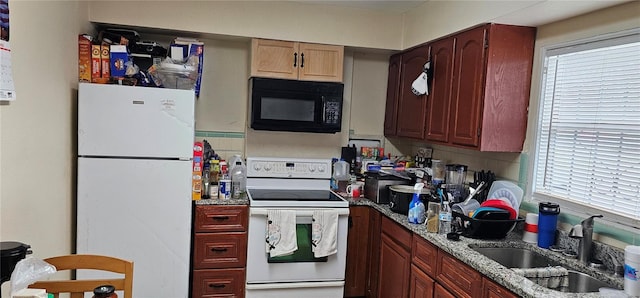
(567, 206)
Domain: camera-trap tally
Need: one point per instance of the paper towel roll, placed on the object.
(530, 233)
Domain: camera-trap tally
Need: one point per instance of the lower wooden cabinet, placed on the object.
(395, 260)
(219, 251)
(492, 290)
(441, 292)
(457, 277)
(421, 285)
(218, 283)
(373, 268)
(357, 252)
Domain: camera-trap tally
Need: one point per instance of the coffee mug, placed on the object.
(353, 190)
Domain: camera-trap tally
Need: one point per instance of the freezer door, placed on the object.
(116, 120)
(139, 210)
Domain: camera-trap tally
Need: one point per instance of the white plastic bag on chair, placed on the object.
(28, 271)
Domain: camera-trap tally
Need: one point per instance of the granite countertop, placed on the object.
(461, 250)
(493, 270)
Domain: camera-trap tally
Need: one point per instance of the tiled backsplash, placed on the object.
(225, 144)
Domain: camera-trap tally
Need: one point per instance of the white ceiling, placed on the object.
(539, 13)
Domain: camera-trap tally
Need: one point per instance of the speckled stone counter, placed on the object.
(506, 277)
(241, 201)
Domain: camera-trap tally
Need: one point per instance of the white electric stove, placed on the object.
(302, 185)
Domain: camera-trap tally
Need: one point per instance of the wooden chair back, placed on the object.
(77, 288)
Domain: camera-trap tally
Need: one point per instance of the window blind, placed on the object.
(588, 141)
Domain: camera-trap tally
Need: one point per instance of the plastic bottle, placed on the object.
(445, 219)
(214, 171)
(238, 180)
(341, 174)
(234, 160)
(416, 207)
(205, 181)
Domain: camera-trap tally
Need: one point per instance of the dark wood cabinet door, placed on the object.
(395, 262)
(491, 289)
(442, 54)
(393, 87)
(412, 108)
(468, 86)
(374, 253)
(441, 292)
(421, 284)
(460, 279)
(357, 251)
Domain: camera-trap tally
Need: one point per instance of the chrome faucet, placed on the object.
(584, 232)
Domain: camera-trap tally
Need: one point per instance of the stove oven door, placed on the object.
(301, 267)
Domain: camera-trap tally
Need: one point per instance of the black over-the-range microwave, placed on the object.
(300, 106)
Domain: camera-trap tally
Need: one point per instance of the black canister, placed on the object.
(105, 291)
(11, 252)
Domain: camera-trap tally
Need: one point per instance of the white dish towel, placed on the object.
(324, 233)
(281, 233)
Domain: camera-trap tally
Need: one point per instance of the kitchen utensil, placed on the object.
(455, 178)
(498, 203)
(438, 172)
(508, 190)
(466, 207)
(400, 197)
(491, 213)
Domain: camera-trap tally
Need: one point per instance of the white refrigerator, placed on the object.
(135, 146)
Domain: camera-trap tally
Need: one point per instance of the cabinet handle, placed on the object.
(220, 217)
(215, 249)
(302, 60)
(295, 59)
(217, 286)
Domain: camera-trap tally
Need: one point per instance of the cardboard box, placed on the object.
(96, 73)
(84, 58)
(104, 61)
(117, 58)
(196, 177)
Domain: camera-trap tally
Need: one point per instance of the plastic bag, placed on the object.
(170, 74)
(28, 271)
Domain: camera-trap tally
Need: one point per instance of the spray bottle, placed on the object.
(416, 207)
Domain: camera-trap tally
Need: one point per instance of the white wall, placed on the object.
(286, 20)
(37, 131)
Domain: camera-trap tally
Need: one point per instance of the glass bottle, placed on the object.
(105, 291)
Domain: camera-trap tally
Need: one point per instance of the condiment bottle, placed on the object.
(105, 291)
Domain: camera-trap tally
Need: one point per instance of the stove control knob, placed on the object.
(312, 168)
(322, 168)
(268, 166)
(257, 166)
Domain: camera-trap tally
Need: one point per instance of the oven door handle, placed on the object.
(287, 285)
(299, 212)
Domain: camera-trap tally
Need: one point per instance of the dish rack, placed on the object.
(482, 228)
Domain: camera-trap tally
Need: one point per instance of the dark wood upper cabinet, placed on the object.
(479, 90)
(440, 91)
(491, 84)
(393, 88)
(468, 84)
(412, 108)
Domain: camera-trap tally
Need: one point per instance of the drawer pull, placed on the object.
(217, 286)
(215, 249)
(220, 217)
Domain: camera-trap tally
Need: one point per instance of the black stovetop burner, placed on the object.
(292, 195)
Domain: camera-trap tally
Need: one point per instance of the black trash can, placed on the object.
(11, 252)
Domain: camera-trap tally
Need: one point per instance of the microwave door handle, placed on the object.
(324, 110)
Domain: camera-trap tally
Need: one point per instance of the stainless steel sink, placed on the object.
(512, 257)
(582, 283)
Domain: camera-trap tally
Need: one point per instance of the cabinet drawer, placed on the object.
(457, 277)
(424, 255)
(220, 250)
(396, 232)
(221, 218)
(492, 290)
(218, 283)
